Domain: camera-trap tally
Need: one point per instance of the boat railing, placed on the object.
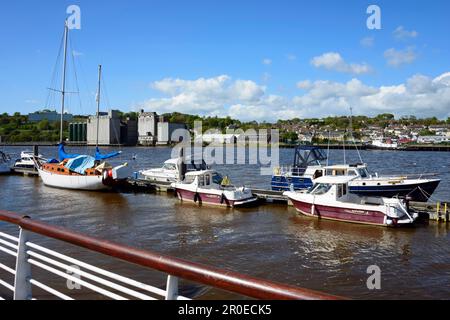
(413, 176)
(32, 258)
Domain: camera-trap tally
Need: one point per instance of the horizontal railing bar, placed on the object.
(7, 285)
(7, 269)
(9, 244)
(76, 280)
(215, 277)
(103, 272)
(104, 282)
(50, 290)
(7, 236)
(12, 253)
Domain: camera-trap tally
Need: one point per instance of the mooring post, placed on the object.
(22, 285)
(172, 288)
(445, 212)
(438, 210)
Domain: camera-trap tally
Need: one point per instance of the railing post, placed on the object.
(22, 285)
(172, 288)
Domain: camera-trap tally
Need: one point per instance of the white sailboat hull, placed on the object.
(75, 182)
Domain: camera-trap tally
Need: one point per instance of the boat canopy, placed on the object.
(80, 164)
(99, 156)
(63, 155)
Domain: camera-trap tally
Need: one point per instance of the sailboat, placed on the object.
(81, 172)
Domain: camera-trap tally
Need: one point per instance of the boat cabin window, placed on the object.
(351, 172)
(169, 166)
(217, 178)
(335, 172)
(201, 180)
(207, 180)
(320, 188)
(318, 174)
(341, 190)
(363, 172)
(189, 179)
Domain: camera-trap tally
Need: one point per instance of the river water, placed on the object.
(270, 241)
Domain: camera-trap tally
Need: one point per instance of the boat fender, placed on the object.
(196, 197)
(223, 198)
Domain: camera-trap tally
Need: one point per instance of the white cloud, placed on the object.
(246, 100)
(401, 34)
(396, 57)
(267, 62)
(367, 42)
(77, 53)
(334, 61)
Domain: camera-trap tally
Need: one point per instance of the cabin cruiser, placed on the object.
(307, 168)
(330, 198)
(170, 171)
(26, 161)
(382, 143)
(209, 187)
(4, 163)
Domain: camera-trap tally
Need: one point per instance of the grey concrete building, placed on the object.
(153, 129)
(112, 129)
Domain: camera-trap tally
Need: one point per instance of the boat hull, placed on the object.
(341, 214)
(212, 199)
(419, 192)
(76, 182)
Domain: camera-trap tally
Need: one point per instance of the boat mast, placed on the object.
(63, 84)
(98, 100)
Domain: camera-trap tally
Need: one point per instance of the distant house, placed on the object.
(51, 116)
(432, 139)
(440, 130)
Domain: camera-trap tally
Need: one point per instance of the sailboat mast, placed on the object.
(63, 82)
(98, 100)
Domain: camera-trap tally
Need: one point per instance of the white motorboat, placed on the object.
(26, 162)
(330, 198)
(170, 171)
(209, 187)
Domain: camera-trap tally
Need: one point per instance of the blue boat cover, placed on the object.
(80, 164)
(99, 156)
(63, 155)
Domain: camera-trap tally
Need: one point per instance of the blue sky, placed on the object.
(259, 60)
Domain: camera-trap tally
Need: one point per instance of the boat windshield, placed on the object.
(169, 166)
(363, 172)
(217, 178)
(320, 188)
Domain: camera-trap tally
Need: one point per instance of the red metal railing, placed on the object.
(210, 276)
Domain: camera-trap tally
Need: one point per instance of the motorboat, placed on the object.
(26, 162)
(329, 198)
(170, 171)
(5, 163)
(384, 143)
(210, 187)
(308, 168)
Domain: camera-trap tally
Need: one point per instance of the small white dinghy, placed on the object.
(209, 187)
(330, 198)
(5, 163)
